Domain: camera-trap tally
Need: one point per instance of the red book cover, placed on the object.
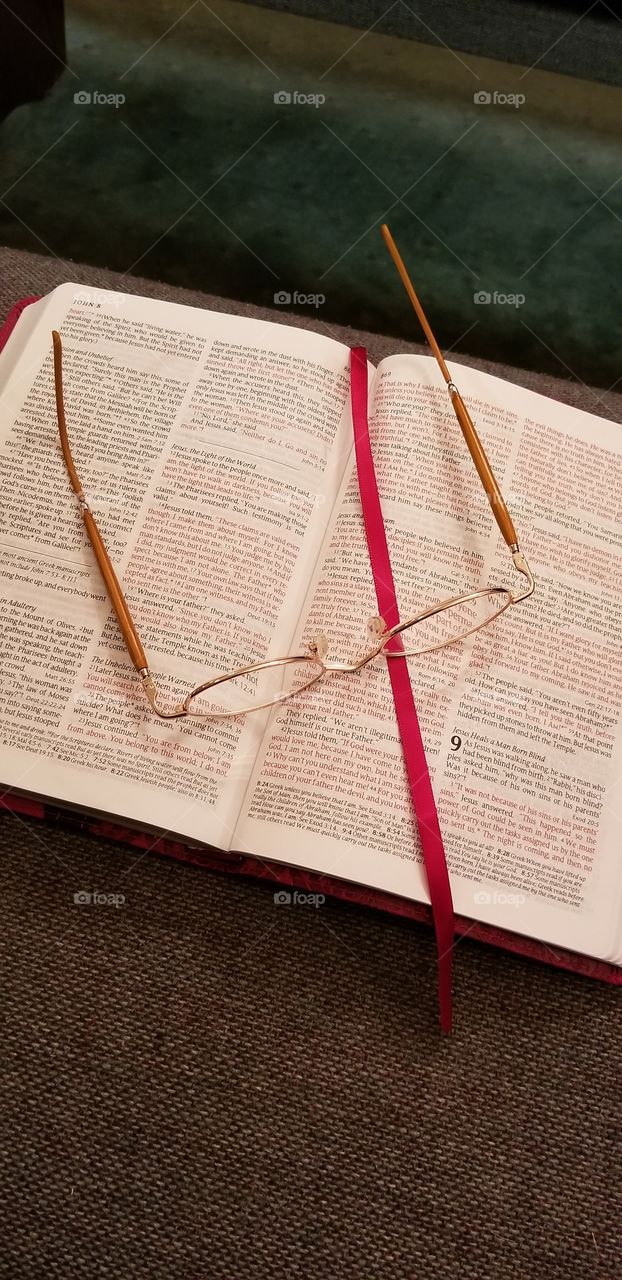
(293, 877)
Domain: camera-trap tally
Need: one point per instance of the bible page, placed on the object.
(521, 722)
(211, 449)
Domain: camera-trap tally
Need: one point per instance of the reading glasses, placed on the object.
(263, 684)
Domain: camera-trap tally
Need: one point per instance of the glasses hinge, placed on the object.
(520, 563)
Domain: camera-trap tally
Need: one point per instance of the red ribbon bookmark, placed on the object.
(412, 743)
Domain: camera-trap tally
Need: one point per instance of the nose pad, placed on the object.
(376, 628)
(318, 647)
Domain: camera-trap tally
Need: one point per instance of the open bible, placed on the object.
(217, 454)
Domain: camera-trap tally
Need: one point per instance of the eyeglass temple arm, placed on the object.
(117, 598)
(467, 426)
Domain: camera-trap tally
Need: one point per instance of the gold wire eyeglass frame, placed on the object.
(494, 600)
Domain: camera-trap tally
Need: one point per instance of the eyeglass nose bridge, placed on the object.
(377, 632)
(318, 648)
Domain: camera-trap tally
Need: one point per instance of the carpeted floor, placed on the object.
(201, 179)
(201, 1084)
